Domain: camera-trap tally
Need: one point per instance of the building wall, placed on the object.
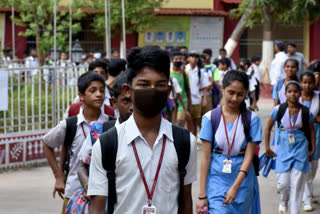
(188, 4)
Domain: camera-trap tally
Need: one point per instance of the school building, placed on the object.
(194, 24)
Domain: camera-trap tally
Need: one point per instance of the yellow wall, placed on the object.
(188, 4)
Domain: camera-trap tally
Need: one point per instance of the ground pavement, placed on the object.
(27, 191)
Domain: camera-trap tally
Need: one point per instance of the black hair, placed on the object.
(176, 53)
(242, 77)
(85, 79)
(114, 50)
(308, 74)
(194, 54)
(148, 56)
(314, 66)
(207, 51)
(118, 83)
(99, 63)
(246, 62)
(183, 47)
(292, 60)
(222, 50)
(116, 65)
(184, 55)
(291, 43)
(224, 61)
(293, 82)
(255, 58)
(241, 68)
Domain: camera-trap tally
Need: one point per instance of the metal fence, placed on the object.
(38, 96)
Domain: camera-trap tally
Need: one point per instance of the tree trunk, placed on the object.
(267, 46)
(39, 52)
(238, 30)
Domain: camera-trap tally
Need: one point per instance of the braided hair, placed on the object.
(242, 77)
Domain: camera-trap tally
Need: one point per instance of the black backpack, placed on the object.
(70, 134)
(109, 148)
(305, 120)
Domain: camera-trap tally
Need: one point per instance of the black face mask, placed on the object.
(177, 64)
(149, 102)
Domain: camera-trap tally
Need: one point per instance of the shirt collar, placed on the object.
(102, 116)
(134, 132)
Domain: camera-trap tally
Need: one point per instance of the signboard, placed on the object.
(206, 32)
(168, 32)
(2, 28)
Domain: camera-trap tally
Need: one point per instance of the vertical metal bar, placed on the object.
(12, 95)
(107, 26)
(63, 88)
(40, 99)
(68, 85)
(5, 122)
(19, 112)
(58, 94)
(72, 86)
(26, 97)
(70, 29)
(13, 35)
(54, 80)
(32, 101)
(46, 98)
(124, 49)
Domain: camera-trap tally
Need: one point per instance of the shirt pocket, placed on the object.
(169, 174)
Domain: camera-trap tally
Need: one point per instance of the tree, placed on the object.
(37, 16)
(139, 14)
(269, 12)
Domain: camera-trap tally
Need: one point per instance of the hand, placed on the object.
(85, 197)
(187, 115)
(317, 119)
(311, 155)
(200, 204)
(230, 195)
(59, 186)
(204, 103)
(270, 153)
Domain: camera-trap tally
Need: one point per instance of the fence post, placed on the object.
(54, 96)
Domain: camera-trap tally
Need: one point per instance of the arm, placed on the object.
(204, 99)
(189, 100)
(313, 137)
(83, 175)
(187, 197)
(254, 102)
(269, 126)
(204, 169)
(98, 204)
(186, 111)
(248, 157)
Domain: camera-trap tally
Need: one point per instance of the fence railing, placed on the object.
(38, 96)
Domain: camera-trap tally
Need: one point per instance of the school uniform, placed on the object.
(218, 182)
(278, 92)
(130, 190)
(292, 159)
(315, 111)
(55, 138)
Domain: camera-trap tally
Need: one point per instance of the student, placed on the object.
(315, 68)
(255, 70)
(116, 67)
(209, 69)
(198, 89)
(277, 72)
(278, 92)
(228, 183)
(184, 109)
(122, 101)
(295, 125)
(101, 67)
(91, 88)
(310, 99)
(252, 85)
(293, 53)
(223, 54)
(142, 139)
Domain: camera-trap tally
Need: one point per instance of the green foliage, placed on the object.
(139, 14)
(289, 12)
(38, 16)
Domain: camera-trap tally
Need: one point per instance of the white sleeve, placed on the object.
(176, 86)
(204, 80)
(55, 137)
(275, 71)
(98, 181)
(191, 167)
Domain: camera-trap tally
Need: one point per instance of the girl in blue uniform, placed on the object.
(310, 98)
(228, 183)
(292, 148)
(291, 67)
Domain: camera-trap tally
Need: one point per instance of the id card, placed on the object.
(149, 209)
(291, 139)
(226, 166)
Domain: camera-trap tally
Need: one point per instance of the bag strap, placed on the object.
(109, 149)
(71, 130)
(108, 125)
(181, 141)
(282, 109)
(305, 125)
(215, 121)
(74, 109)
(108, 110)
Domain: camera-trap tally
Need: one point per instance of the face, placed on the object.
(276, 49)
(94, 95)
(177, 59)
(257, 62)
(223, 54)
(293, 93)
(63, 56)
(206, 57)
(234, 94)
(193, 60)
(290, 69)
(317, 76)
(307, 83)
(115, 54)
(183, 50)
(291, 49)
(123, 103)
(100, 71)
(222, 67)
(150, 78)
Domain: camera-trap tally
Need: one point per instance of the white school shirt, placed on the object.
(256, 70)
(175, 88)
(196, 94)
(55, 138)
(277, 68)
(131, 193)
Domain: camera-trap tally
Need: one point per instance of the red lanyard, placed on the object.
(84, 133)
(149, 194)
(294, 122)
(227, 136)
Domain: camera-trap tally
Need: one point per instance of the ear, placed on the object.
(114, 102)
(81, 96)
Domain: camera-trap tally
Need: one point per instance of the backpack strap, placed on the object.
(109, 149)
(71, 130)
(108, 110)
(181, 141)
(282, 109)
(74, 109)
(279, 84)
(215, 121)
(108, 125)
(305, 124)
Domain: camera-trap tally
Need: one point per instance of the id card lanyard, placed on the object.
(149, 194)
(230, 146)
(291, 136)
(84, 133)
